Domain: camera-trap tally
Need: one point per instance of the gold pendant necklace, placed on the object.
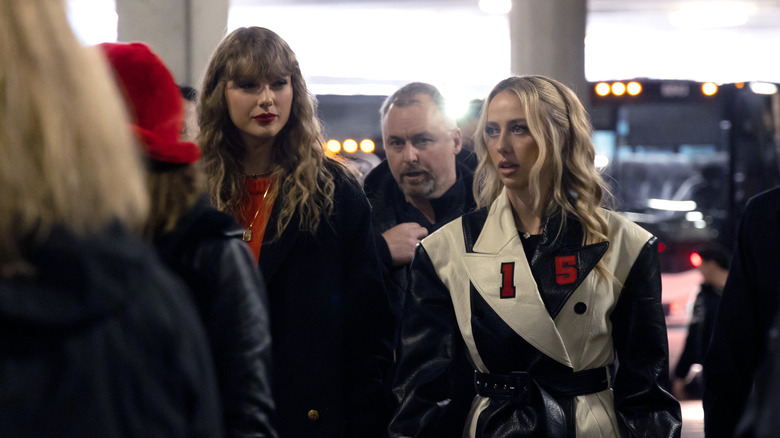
(247, 236)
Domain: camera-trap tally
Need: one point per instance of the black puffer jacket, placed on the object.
(206, 250)
(102, 341)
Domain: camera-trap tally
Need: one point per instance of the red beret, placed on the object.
(154, 101)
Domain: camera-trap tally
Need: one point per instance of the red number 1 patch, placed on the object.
(566, 269)
(507, 280)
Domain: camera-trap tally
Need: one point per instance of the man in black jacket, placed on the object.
(420, 186)
(747, 309)
(416, 190)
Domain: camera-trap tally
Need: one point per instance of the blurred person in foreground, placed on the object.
(748, 307)
(542, 287)
(97, 338)
(308, 224)
(714, 269)
(200, 243)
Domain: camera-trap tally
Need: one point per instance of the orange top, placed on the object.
(256, 212)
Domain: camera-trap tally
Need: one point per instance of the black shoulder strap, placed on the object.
(472, 227)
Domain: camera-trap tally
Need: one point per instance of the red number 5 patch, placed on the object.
(566, 269)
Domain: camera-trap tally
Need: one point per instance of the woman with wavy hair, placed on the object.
(544, 289)
(308, 224)
(98, 339)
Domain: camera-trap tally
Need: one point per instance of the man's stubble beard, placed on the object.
(420, 191)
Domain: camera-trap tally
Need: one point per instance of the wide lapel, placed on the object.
(498, 256)
(561, 263)
(275, 250)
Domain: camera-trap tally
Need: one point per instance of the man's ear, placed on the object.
(457, 138)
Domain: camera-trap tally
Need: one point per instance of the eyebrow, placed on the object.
(523, 121)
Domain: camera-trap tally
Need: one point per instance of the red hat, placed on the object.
(154, 100)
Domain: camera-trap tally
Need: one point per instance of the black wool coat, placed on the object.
(330, 321)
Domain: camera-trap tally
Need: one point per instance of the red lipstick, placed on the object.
(265, 118)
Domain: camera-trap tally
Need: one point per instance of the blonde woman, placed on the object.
(308, 224)
(97, 338)
(543, 288)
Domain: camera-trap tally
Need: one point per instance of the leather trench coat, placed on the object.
(206, 251)
(473, 288)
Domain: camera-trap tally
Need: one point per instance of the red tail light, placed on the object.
(695, 259)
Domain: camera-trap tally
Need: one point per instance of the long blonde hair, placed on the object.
(561, 128)
(68, 156)
(304, 179)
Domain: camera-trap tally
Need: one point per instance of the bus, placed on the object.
(682, 159)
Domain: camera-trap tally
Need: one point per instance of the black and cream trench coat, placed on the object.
(585, 322)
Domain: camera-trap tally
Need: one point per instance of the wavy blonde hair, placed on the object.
(307, 183)
(68, 155)
(561, 128)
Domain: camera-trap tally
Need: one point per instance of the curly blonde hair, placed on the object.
(561, 128)
(304, 179)
(78, 169)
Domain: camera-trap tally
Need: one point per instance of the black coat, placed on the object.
(207, 252)
(330, 321)
(102, 341)
(747, 309)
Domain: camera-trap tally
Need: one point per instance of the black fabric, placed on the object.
(206, 250)
(761, 419)
(746, 312)
(330, 321)
(102, 341)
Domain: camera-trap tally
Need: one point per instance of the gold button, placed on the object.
(314, 415)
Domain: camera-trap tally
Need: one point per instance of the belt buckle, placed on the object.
(521, 386)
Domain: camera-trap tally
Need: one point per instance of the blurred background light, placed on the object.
(350, 146)
(367, 146)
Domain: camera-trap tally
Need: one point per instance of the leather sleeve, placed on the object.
(642, 401)
(238, 327)
(430, 343)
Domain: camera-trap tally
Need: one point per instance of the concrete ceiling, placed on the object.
(767, 11)
(637, 36)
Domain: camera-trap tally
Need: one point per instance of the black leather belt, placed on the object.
(516, 386)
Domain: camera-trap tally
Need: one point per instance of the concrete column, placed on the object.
(548, 38)
(182, 32)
